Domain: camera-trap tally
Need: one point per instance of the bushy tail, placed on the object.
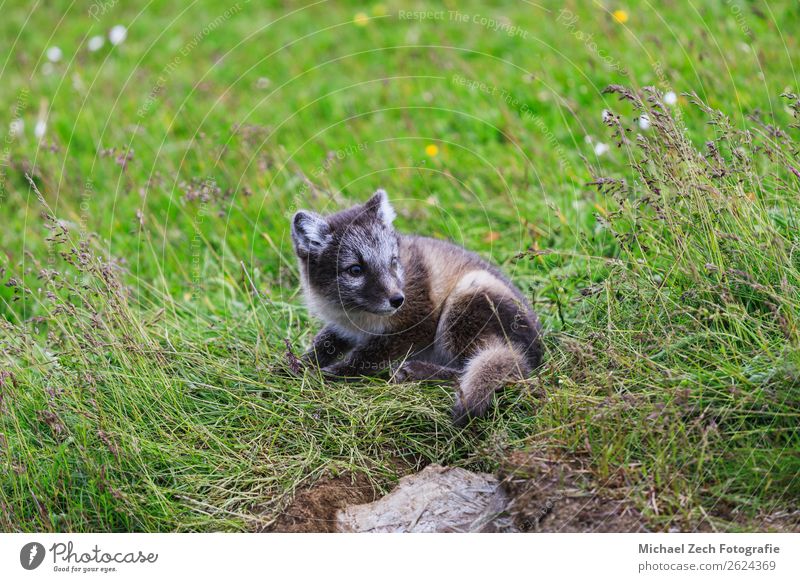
(487, 371)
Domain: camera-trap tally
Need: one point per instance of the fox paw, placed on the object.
(411, 371)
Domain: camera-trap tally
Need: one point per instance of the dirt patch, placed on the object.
(313, 509)
(532, 492)
(777, 522)
(780, 521)
(552, 495)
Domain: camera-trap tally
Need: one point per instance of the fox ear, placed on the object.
(310, 233)
(379, 202)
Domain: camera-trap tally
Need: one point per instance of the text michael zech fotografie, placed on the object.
(689, 548)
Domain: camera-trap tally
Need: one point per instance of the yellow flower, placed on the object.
(620, 16)
(361, 19)
(432, 150)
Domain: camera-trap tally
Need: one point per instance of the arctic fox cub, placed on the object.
(437, 310)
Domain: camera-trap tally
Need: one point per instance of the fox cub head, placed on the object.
(350, 260)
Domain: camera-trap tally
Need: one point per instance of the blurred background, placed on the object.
(134, 117)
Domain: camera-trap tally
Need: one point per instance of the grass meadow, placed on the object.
(632, 166)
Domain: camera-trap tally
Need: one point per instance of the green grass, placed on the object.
(147, 295)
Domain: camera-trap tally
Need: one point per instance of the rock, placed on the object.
(437, 499)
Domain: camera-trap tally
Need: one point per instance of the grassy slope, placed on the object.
(149, 395)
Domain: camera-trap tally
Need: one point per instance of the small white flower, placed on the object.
(95, 43)
(117, 34)
(16, 127)
(47, 68)
(600, 148)
(40, 129)
(54, 54)
(606, 115)
(644, 121)
(587, 138)
(263, 82)
(670, 98)
(77, 83)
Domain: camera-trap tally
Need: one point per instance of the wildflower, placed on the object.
(78, 84)
(361, 19)
(606, 115)
(54, 54)
(432, 150)
(16, 127)
(620, 16)
(600, 149)
(40, 129)
(117, 34)
(95, 43)
(670, 98)
(644, 121)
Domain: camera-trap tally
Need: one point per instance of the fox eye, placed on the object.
(355, 270)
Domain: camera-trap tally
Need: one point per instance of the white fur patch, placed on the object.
(356, 326)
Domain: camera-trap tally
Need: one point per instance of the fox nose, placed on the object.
(396, 301)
